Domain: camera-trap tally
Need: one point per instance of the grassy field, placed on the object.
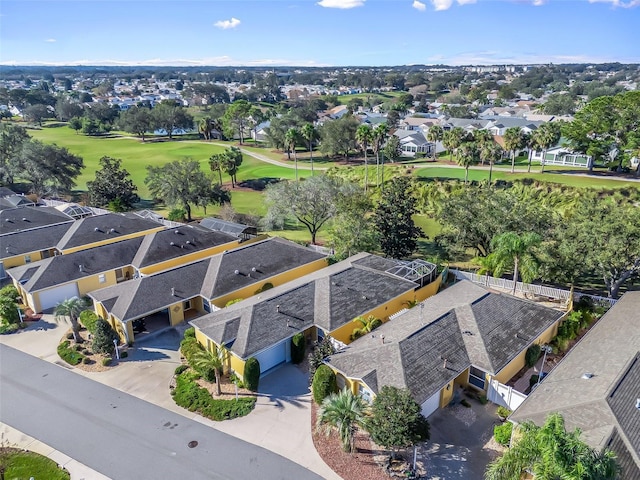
(17, 464)
(377, 97)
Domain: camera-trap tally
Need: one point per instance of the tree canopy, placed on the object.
(112, 186)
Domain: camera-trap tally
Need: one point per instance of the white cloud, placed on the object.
(419, 5)
(538, 3)
(226, 24)
(465, 2)
(442, 4)
(343, 4)
(619, 3)
(50, 40)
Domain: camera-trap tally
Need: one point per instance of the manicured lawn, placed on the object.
(564, 179)
(25, 465)
(377, 97)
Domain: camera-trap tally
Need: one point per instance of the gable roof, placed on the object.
(602, 406)
(209, 278)
(61, 269)
(26, 241)
(431, 344)
(176, 242)
(29, 218)
(328, 298)
(104, 227)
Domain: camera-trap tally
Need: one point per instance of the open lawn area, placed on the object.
(376, 97)
(18, 464)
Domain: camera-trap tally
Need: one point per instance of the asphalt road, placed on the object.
(122, 436)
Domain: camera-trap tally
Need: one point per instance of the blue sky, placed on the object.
(318, 32)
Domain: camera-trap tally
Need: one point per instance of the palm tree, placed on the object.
(344, 412)
(550, 452)
(546, 136)
(205, 126)
(290, 140)
(486, 266)
(71, 308)
(310, 134)
(380, 134)
(457, 137)
(490, 152)
(448, 142)
(364, 137)
(367, 325)
(211, 359)
(483, 137)
(512, 142)
(435, 135)
(468, 155)
(217, 163)
(511, 250)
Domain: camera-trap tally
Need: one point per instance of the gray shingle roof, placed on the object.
(28, 218)
(14, 201)
(604, 403)
(235, 229)
(102, 227)
(66, 268)
(465, 324)
(45, 238)
(167, 244)
(328, 298)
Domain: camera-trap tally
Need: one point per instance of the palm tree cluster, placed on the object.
(468, 147)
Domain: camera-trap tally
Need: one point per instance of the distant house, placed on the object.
(596, 387)
(563, 156)
(337, 112)
(413, 142)
(259, 134)
(465, 336)
(321, 303)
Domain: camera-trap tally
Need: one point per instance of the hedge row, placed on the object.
(188, 394)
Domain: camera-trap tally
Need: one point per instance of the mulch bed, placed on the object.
(360, 465)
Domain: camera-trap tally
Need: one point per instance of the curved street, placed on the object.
(120, 435)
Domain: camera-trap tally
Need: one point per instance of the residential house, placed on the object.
(324, 302)
(413, 142)
(259, 133)
(559, 155)
(238, 230)
(204, 286)
(596, 387)
(337, 112)
(46, 283)
(21, 219)
(465, 336)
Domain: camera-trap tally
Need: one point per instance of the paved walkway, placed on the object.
(280, 421)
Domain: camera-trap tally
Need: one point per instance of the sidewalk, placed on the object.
(13, 438)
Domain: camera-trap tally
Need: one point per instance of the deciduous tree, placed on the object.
(169, 116)
(112, 184)
(48, 168)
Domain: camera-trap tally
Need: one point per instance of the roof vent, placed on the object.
(24, 219)
(176, 231)
(173, 292)
(171, 243)
(638, 403)
(587, 375)
(80, 268)
(237, 272)
(188, 242)
(253, 269)
(96, 229)
(113, 230)
(382, 338)
(278, 308)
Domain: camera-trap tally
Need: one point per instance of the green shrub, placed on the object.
(533, 380)
(562, 343)
(189, 347)
(124, 354)
(68, 354)
(9, 328)
(232, 302)
(79, 347)
(180, 368)
(188, 394)
(298, 346)
(87, 361)
(104, 337)
(88, 319)
(86, 351)
(69, 336)
(503, 412)
(190, 332)
(106, 361)
(252, 374)
(502, 433)
(532, 355)
(233, 378)
(264, 288)
(321, 351)
(324, 383)
(209, 374)
(483, 399)
(177, 215)
(465, 403)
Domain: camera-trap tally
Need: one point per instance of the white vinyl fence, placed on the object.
(504, 395)
(528, 288)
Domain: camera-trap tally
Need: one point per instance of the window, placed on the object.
(27, 259)
(102, 278)
(187, 305)
(340, 381)
(365, 393)
(477, 377)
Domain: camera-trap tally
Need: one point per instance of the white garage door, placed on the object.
(51, 298)
(273, 356)
(431, 404)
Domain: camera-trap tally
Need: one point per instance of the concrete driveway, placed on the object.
(460, 445)
(281, 419)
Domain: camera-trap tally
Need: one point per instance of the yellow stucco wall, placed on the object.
(276, 280)
(109, 240)
(176, 314)
(18, 260)
(507, 373)
(195, 256)
(447, 393)
(382, 312)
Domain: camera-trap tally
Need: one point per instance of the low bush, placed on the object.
(9, 328)
(533, 380)
(124, 354)
(252, 374)
(483, 399)
(68, 354)
(69, 336)
(180, 368)
(190, 332)
(532, 355)
(79, 347)
(232, 302)
(502, 433)
(88, 319)
(87, 361)
(465, 403)
(233, 378)
(503, 412)
(189, 347)
(324, 383)
(106, 361)
(86, 351)
(298, 346)
(188, 394)
(264, 288)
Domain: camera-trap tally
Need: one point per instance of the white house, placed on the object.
(413, 142)
(563, 156)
